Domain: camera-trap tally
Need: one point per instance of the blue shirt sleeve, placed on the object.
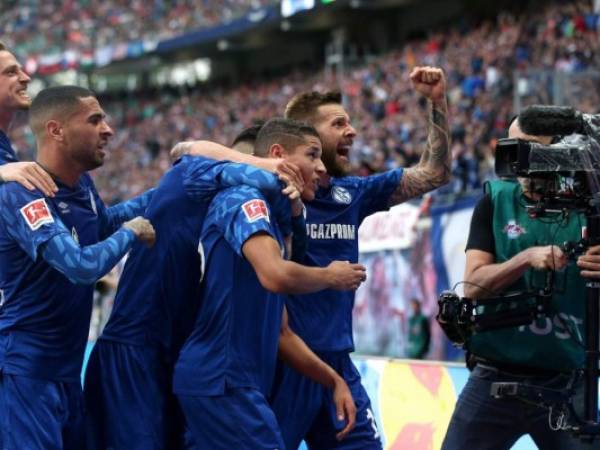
(86, 265)
(27, 218)
(240, 213)
(377, 190)
(203, 177)
(127, 210)
(7, 154)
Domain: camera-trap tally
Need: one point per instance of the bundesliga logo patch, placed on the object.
(255, 210)
(513, 230)
(36, 213)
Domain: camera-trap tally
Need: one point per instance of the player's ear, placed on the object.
(54, 130)
(276, 151)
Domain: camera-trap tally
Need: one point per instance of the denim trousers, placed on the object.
(482, 422)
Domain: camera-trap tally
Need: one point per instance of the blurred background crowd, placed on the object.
(480, 60)
(43, 27)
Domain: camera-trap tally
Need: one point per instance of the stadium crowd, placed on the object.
(35, 27)
(480, 62)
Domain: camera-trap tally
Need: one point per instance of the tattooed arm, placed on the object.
(434, 168)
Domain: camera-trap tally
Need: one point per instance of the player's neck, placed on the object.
(61, 169)
(6, 118)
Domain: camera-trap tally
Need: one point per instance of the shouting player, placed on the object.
(324, 320)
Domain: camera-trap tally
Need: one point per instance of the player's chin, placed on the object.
(308, 194)
(24, 103)
(343, 166)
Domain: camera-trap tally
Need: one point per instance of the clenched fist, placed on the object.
(143, 230)
(344, 276)
(549, 257)
(429, 82)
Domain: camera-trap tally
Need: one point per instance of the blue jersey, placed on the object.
(154, 302)
(324, 319)
(236, 334)
(44, 318)
(7, 154)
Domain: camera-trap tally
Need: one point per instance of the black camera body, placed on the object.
(560, 174)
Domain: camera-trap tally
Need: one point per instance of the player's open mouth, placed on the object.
(343, 151)
(23, 93)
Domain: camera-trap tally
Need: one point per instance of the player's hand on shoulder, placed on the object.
(589, 262)
(549, 257)
(143, 230)
(30, 175)
(344, 406)
(345, 276)
(429, 82)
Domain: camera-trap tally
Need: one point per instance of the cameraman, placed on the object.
(508, 251)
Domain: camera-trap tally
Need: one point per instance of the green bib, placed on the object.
(547, 343)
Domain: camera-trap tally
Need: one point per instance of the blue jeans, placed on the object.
(481, 422)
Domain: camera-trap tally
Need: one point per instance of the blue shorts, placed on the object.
(240, 419)
(305, 409)
(40, 415)
(128, 399)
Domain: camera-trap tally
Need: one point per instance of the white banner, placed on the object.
(389, 230)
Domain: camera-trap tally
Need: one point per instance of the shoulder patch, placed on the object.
(255, 210)
(341, 195)
(36, 213)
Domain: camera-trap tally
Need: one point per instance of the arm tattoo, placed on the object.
(434, 168)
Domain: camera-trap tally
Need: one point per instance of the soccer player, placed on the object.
(14, 98)
(128, 379)
(225, 369)
(52, 250)
(324, 320)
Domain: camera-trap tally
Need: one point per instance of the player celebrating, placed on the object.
(226, 367)
(155, 303)
(51, 253)
(324, 320)
(14, 98)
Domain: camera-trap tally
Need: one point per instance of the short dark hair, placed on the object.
(3, 46)
(288, 133)
(55, 102)
(304, 106)
(249, 134)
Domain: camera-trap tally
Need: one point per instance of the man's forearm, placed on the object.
(127, 210)
(434, 168)
(218, 152)
(491, 279)
(292, 278)
(296, 354)
(86, 265)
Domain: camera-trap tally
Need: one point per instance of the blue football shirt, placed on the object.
(7, 153)
(236, 334)
(157, 295)
(44, 318)
(324, 319)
